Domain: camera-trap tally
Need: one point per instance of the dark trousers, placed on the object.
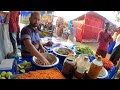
(13, 40)
(115, 55)
(18, 38)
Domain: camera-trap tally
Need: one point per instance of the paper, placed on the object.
(6, 64)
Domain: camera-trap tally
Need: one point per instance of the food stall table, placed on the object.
(58, 42)
(111, 72)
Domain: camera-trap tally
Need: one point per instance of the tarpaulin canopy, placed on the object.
(70, 15)
(87, 28)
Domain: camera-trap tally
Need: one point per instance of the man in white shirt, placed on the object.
(116, 51)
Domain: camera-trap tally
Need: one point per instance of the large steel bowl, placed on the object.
(51, 58)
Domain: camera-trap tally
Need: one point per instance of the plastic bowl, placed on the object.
(52, 58)
(100, 76)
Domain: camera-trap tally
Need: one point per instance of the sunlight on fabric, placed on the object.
(70, 15)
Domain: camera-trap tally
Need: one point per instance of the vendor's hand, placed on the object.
(9, 55)
(44, 61)
(42, 50)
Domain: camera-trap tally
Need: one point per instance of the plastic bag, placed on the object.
(111, 46)
(7, 43)
(2, 52)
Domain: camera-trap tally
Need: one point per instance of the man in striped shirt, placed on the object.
(30, 40)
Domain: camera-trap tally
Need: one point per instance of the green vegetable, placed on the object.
(24, 66)
(20, 66)
(2, 78)
(25, 63)
(22, 70)
(3, 73)
(84, 50)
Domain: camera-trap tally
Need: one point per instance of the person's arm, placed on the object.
(42, 49)
(99, 36)
(34, 51)
(110, 38)
(26, 38)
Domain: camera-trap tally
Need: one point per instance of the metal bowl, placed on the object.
(63, 49)
(50, 57)
(60, 56)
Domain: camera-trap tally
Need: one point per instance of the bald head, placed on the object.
(35, 14)
(34, 19)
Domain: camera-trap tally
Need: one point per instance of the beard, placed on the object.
(34, 24)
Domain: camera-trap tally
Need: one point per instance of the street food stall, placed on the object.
(67, 62)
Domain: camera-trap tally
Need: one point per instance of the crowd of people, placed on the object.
(30, 36)
(46, 29)
(12, 19)
(62, 30)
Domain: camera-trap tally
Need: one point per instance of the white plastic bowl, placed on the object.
(57, 48)
(51, 57)
(100, 76)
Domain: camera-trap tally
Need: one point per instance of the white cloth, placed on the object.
(5, 43)
(117, 41)
(2, 53)
(6, 64)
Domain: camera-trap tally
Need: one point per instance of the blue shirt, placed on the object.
(31, 34)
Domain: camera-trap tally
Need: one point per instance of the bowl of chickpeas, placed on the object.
(50, 57)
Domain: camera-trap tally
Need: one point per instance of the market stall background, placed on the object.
(24, 19)
(24, 15)
(111, 72)
(6, 46)
(91, 22)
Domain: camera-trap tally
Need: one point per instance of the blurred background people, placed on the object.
(104, 38)
(115, 56)
(112, 44)
(13, 29)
